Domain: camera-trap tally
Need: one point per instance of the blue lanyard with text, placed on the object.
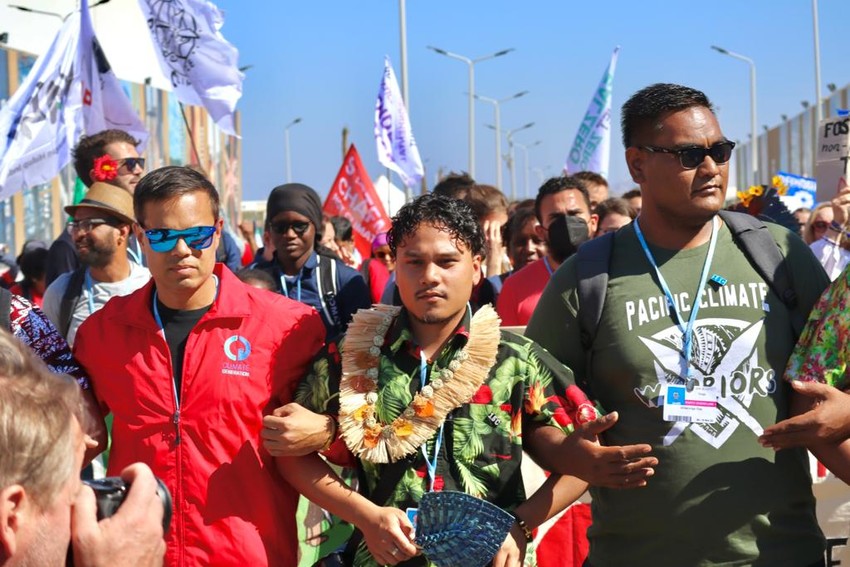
(175, 419)
(548, 267)
(136, 255)
(687, 331)
(90, 289)
(297, 286)
(432, 465)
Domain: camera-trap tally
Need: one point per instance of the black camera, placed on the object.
(111, 491)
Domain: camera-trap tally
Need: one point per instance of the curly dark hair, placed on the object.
(455, 216)
(646, 107)
(89, 148)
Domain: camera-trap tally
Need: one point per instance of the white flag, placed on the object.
(591, 149)
(393, 134)
(70, 91)
(41, 122)
(193, 53)
(105, 104)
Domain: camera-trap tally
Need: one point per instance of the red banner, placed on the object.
(353, 196)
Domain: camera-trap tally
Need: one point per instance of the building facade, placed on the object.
(790, 146)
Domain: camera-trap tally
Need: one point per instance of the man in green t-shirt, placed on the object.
(687, 316)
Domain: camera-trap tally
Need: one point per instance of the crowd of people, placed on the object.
(477, 333)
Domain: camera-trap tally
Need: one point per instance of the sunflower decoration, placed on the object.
(763, 202)
(105, 168)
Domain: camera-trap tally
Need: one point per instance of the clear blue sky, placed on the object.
(322, 61)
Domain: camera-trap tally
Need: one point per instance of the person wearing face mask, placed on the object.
(303, 269)
(563, 210)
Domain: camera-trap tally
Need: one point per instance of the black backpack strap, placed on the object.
(6, 309)
(69, 299)
(593, 260)
(326, 281)
(761, 249)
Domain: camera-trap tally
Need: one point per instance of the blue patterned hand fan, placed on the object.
(458, 530)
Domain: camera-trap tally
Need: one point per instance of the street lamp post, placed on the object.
(471, 64)
(286, 146)
(524, 149)
(496, 103)
(511, 160)
(818, 111)
(753, 129)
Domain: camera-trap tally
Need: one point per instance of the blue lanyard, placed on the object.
(297, 286)
(687, 332)
(431, 464)
(90, 289)
(136, 255)
(175, 418)
(548, 267)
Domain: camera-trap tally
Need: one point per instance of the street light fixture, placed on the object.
(496, 103)
(286, 145)
(524, 149)
(471, 64)
(753, 129)
(818, 115)
(511, 161)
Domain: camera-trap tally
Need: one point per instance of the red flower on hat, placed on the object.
(105, 168)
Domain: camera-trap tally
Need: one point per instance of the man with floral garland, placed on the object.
(439, 394)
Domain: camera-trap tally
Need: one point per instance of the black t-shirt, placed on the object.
(177, 326)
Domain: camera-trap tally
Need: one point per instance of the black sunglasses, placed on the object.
(282, 227)
(132, 162)
(692, 157)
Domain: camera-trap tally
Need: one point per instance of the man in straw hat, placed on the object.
(101, 227)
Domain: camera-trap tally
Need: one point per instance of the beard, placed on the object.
(96, 254)
(435, 319)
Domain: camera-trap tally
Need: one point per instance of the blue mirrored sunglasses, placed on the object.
(165, 239)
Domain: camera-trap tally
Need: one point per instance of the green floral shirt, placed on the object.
(481, 449)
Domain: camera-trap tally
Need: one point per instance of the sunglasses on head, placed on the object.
(165, 239)
(692, 157)
(282, 227)
(132, 162)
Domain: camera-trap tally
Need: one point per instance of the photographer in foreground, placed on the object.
(43, 504)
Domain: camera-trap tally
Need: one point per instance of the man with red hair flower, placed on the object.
(109, 156)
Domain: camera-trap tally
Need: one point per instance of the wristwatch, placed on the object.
(526, 531)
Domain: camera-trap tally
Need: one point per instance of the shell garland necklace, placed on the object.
(364, 434)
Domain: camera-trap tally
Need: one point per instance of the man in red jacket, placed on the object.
(188, 365)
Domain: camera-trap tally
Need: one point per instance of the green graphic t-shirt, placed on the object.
(481, 449)
(718, 497)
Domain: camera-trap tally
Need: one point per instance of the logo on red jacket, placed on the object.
(237, 349)
(242, 350)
